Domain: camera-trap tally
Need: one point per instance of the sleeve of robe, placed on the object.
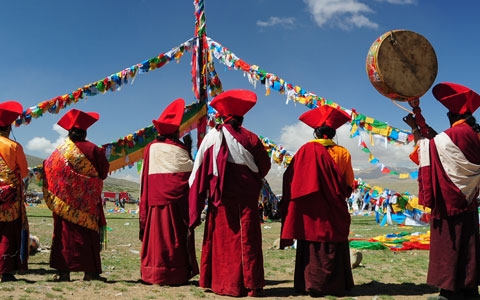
(102, 163)
(143, 205)
(21, 161)
(286, 197)
(262, 160)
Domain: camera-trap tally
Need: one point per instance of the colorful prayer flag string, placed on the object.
(110, 83)
(277, 153)
(298, 94)
(355, 131)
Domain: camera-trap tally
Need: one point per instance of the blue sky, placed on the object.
(49, 48)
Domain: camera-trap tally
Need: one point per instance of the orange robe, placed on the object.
(11, 231)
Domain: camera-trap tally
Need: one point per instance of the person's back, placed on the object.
(449, 183)
(228, 169)
(239, 176)
(314, 210)
(72, 189)
(13, 219)
(168, 251)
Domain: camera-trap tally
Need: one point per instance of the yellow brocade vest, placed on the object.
(10, 193)
(72, 188)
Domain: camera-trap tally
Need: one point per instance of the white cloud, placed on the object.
(44, 145)
(294, 136)
(273, 21)
(343, 13)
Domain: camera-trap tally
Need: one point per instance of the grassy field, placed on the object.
(383, 274)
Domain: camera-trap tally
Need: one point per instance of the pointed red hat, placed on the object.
(78, 119)
(9, 111)
(457, 98)
(171, 118)
(325, 115)
(234, 102)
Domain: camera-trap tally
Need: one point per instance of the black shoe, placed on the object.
(6, 277)
(471, 293)
(452, 295)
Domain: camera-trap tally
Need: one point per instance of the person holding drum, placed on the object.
(449, 183)
(314, 210)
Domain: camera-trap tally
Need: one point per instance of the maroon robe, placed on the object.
(168, 249)
(232, 260)
(10, 241)
(454, 235)
(315, 213)
(74, 247)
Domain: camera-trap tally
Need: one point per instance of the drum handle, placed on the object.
(419, 119)
(405, 109)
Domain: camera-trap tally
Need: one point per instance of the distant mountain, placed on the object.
(109, 185)
(121, 185)
(372, 176)
(34, 161)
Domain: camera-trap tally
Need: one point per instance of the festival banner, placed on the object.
(129, 149)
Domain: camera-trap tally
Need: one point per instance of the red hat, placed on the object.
(9, 111)
(325, 115)
(171, 118)
(457, 98)
(234, 102)
(78, 119)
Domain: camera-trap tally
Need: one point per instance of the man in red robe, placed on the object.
(449, 182)
(13, 219)
(228, 172)
(168, 249)
(72, 188)
(314, 210)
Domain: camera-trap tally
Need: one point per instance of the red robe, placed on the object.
(454, 234)
(232, 260)
(315, 213)
(74, 247)
(168, 249)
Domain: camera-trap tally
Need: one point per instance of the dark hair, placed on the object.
(173, 137)
(469, 119)
(5, 128)
(235, 121)
(77, 134)
(324, 132)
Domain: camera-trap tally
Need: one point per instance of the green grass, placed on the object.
(197, 293)
(121, 265)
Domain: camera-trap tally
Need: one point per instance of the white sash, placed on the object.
(464, 174)
(167, 158)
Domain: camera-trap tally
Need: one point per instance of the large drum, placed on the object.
(402, 65)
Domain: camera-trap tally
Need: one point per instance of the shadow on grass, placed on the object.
(372, 288)
(139, 281)
(284, 291)
(38, 263)
(392, 289)
(40, 271)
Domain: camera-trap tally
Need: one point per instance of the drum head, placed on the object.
(407, 64)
